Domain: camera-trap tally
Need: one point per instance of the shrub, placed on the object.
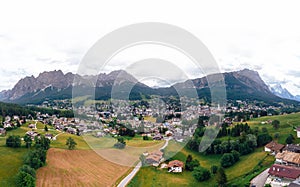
(201, 174)
(13, 141)
(25, 180)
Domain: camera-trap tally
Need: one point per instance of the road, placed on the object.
(130, 176)
(54, 138)
(259, 181)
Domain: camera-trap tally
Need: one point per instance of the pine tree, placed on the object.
(221, 177)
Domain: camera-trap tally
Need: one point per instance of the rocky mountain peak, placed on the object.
(252, 79)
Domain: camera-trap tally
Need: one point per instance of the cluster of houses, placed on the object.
(286, 169)
(11, 122)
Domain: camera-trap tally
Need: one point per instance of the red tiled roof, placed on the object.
(284, 171)
(175, 163)
(274, 146)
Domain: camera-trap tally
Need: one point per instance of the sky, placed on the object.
(44, 36)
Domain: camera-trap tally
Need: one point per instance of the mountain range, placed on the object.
(278, 90)
(243, 85)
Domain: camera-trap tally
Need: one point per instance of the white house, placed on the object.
(298, 132)
(175, 166)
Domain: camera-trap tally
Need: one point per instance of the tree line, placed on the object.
(34, 159)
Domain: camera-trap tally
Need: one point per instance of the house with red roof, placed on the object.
(284, 172)
(274, 147)
(175, 166)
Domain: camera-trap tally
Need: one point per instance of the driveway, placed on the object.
(259, 181)
(128, 178)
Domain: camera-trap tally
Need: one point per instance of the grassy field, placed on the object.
(61, 139)
(288, 123)
(10, 161)
(235, 174)
(239, 174)
(78, 168)
(90, 168)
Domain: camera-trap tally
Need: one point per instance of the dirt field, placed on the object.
(78, 168)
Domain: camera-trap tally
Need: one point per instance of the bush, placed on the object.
(228, 159)
(36, 158)
(119, 145)
(263, 139)
(236, 155)
(201, 174)
(290, 139)
(276, 135)
(24, 179)
(275, 124)
(13, 141)
(190, 164)
(28, 169)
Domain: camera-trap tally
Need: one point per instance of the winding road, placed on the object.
(129, 177)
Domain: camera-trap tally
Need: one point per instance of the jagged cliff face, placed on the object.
(251, 79)
(244, 79)
(59, 80)
(244, 84)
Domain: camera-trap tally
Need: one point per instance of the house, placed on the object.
(2, 132)
(32, 134)
(16, 118)
(71, 130)
(154, 158)
(8, 125)
(175, 166)
(298, 132)
(49, 136)
(168, 133)
(284, 172)
(288, 158)
(32, 126)
(274, 147)
(100, 134)
(292, 148)
(158, 136)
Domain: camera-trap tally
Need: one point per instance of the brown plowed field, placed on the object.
(78, 168)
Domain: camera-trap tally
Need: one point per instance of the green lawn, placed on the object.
(152, 177)
(287, 125)
(11, 159)
(235, 174)
(61, 140)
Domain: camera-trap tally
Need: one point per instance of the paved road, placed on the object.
(54, 138)
(259, 181)
(128, 178)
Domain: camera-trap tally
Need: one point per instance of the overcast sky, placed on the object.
(263, 36)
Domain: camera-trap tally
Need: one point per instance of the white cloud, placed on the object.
(264, 36)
